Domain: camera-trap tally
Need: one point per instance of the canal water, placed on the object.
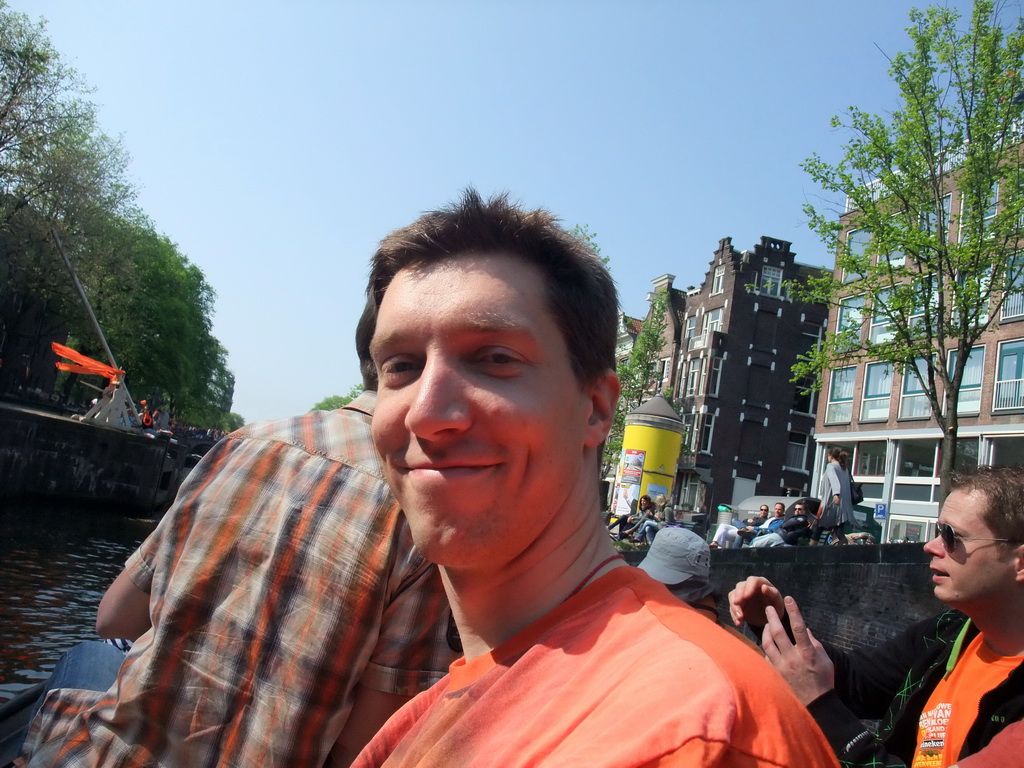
(57, 561)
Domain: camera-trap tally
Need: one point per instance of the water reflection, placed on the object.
(58, 559)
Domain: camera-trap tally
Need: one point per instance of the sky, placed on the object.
(277, 143)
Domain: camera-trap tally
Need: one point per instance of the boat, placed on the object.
(15, 715)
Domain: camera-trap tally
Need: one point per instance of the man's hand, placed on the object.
(747, 602)
(802, 661)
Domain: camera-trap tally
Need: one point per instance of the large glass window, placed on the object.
(840, 396)
(877, 391)
(870, 458)
(970, 386)
(771, 281)
(966, 454)
(914, 402)
(917, 458)
(1010, 375)
(1007, 451)
(691, 327)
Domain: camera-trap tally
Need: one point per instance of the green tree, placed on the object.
(637, 372)
(957, 126)
(582, 232)
(334, 402)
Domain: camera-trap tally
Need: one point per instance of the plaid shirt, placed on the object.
(283, 575)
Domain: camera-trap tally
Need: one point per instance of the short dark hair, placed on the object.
(580, 291)
(1004, 491)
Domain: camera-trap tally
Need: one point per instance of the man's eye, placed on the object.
(396, 367)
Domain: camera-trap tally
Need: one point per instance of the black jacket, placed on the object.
(892, 682)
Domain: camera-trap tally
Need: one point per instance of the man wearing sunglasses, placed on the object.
(946, 686)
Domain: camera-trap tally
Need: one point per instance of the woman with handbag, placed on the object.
(837, 509)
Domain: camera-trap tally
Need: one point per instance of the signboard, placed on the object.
(879, 511)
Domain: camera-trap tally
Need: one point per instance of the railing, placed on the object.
(1013, 305)
(700, 340)
(1009, 394)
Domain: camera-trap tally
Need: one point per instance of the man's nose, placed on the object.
(439, 402)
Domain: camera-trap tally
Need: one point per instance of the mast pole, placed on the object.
(92, 316)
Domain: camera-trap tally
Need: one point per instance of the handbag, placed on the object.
(856, 492)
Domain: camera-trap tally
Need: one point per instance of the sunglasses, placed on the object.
(949, 537)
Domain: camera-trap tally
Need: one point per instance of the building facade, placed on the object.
(730, 345)
(882, 416)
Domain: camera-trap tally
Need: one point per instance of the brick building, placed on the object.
(729, 348)
(882, 417)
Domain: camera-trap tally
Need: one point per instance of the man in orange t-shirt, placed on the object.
(946, 686)
(493, 334)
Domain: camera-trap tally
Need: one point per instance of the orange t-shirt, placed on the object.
(953, 705)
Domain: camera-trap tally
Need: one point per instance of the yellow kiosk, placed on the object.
(650, 452)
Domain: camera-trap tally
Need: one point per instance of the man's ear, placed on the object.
(604, 394)
(1019, 563)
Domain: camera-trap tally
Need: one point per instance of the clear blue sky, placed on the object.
(276, 143)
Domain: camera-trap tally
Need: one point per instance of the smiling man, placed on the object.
(493, 334)
(947, 685)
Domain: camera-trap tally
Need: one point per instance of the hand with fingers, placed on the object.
(747, 602)
(802, 661)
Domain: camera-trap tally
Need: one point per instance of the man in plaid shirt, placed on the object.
(289, 612)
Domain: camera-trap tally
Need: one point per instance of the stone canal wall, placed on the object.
(44, 454)
(850, 596)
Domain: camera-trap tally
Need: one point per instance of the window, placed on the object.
(917, 458)
(914, 402)
(856, 244)
(877, 391)
(988, 214)
(1013, 304)
(718, 280)
(771, 281)
(970, 386)
(1007, 451)
(849, 321)
(714, 376)
(926, 300)
(691, 327)
(803, 396)
(796, 451)
(966, 454)
(707, 432)
(840, 396)
(713, 320)
(870, 458)
(1010, 375)
(693, 376)
(932, 220)
(879, 330)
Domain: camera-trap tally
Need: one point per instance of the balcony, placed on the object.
(1009, 394)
